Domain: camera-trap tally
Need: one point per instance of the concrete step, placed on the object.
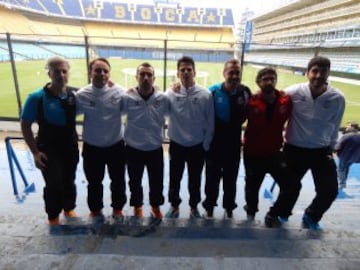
(121, 262)
(176, 237)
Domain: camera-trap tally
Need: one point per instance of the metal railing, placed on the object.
(13, 161)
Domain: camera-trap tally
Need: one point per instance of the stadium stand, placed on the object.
(30, 51)
(72, 51)
(280, 58)
(285, 37)
(13, 22)
(344, 61)
(306, 28)
(112, 26)
(29, 26)
(129, 13)
(33, 51)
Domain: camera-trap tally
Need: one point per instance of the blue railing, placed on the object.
(12, 159)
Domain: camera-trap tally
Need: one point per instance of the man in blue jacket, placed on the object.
(55, 147)
(348, 151)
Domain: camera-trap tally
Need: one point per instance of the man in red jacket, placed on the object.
(267, 112)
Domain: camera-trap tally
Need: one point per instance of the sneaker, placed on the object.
(228, 214)
(70, 214)
(117, 213)
(94, 214)
(272, 222)
(155, 212)
(249, 216)
(138, 212)
(194, 213)
(209, 213)
(173, 212)
(309, 223)
(283, 219)
(54, 221)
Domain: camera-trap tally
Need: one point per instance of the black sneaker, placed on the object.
(272, 222)
(228, 214)
(209, 213)
(249, 216)
(173, 212)
(194, 213)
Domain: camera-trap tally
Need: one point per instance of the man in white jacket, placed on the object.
(103, 138)
(311, 135)
(191, 128)
(146, 109)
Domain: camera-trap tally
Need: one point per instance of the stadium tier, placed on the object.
(70, 21)
(308, 21)
(285, 37)
(33, 51)
(292, 34)
(128, 13)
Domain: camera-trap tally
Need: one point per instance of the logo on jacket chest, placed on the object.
(327, 104)
(157, 104)
(179, 99)
(282, 109)
(135, 103)
(71, 101)
(219, 99)
(240, 101)
(195, 100)
(114, 100)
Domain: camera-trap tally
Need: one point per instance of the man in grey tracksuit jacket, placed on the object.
(191, 128)
(103, 138)
(146, 109)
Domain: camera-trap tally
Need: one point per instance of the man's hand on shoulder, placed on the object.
(176, 87)
(131, 90)
(110, 83)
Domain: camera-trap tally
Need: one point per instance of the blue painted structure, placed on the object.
(156, 14)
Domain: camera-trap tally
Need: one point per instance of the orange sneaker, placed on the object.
(117, 213)
(138, 211)
(54, 221)
(95, 213)
(156, 212)
(70, 213)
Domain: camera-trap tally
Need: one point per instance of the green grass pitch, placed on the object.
(32, 75)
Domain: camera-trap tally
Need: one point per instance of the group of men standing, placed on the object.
(204, 127)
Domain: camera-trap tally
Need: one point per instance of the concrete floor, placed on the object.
(27, 242)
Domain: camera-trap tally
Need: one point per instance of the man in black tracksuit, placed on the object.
(223, 157)
(55, 148)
